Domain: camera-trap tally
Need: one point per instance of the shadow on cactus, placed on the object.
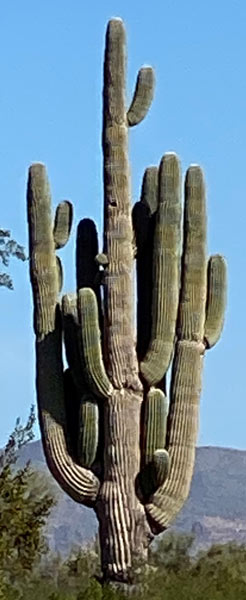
(111, 438)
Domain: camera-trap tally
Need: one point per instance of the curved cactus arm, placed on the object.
(87, 267)
(72, 339)
(143, 210)
(91, 345)
(161, 465)
(194, 262)
(153, 475)
(82, 422)
(63, 223)
(216, 300)
(166, 260)
(143, 96)
(185, 388)
(155, 423)
(155, 458)
(86, 252)
(149, 192)
(143, 218)
(88, 430)
(87, 419)
(43, 265)
(79, 483)
(181, 436)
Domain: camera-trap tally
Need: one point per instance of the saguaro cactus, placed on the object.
(111, 438)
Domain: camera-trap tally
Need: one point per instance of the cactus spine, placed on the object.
(111, 438)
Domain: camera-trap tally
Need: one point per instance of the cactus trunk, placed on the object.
(122, 519)
(112, 438)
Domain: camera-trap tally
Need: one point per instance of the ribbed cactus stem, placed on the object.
(181, 435)
(86, 251)
(43, 266)
(149, 193)
(161, 465)
(91, 344)
(78, 482)
(166, 258)
(216, 299)
(63, 223)
(185, 389)
(194, 268)
(143, 96)
(143, 217)
(88, 431)
(155, 423)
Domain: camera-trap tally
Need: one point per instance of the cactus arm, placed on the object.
(165, 272)
(194, 268)
(155, 420)
(216, 300)
(63, 223)
(122, 364)
(88, 431)
(87, 268)
(155, 460)
(87, 417)
(72, 339)
(181, 437)
(43, 266)
(79, 483)
(90, 334)
(86, 251)
(186, 371)
(149, 192)
(143, 217)
(160, 467)
(143, 96)
(82, 422)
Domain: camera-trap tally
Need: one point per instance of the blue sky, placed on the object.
(51, 111)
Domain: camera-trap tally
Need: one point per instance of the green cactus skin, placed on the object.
(149, 193)
(154, 428)
(216, 299)
(160, 466)
(165, 271)
(88, 431)
(82, 423)
(111, 439)
(155, 459)
(90, 333)
(194, 268)
(82, 485)
(143, 96)
(63, 223)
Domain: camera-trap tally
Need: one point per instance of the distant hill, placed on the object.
(215, 510)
